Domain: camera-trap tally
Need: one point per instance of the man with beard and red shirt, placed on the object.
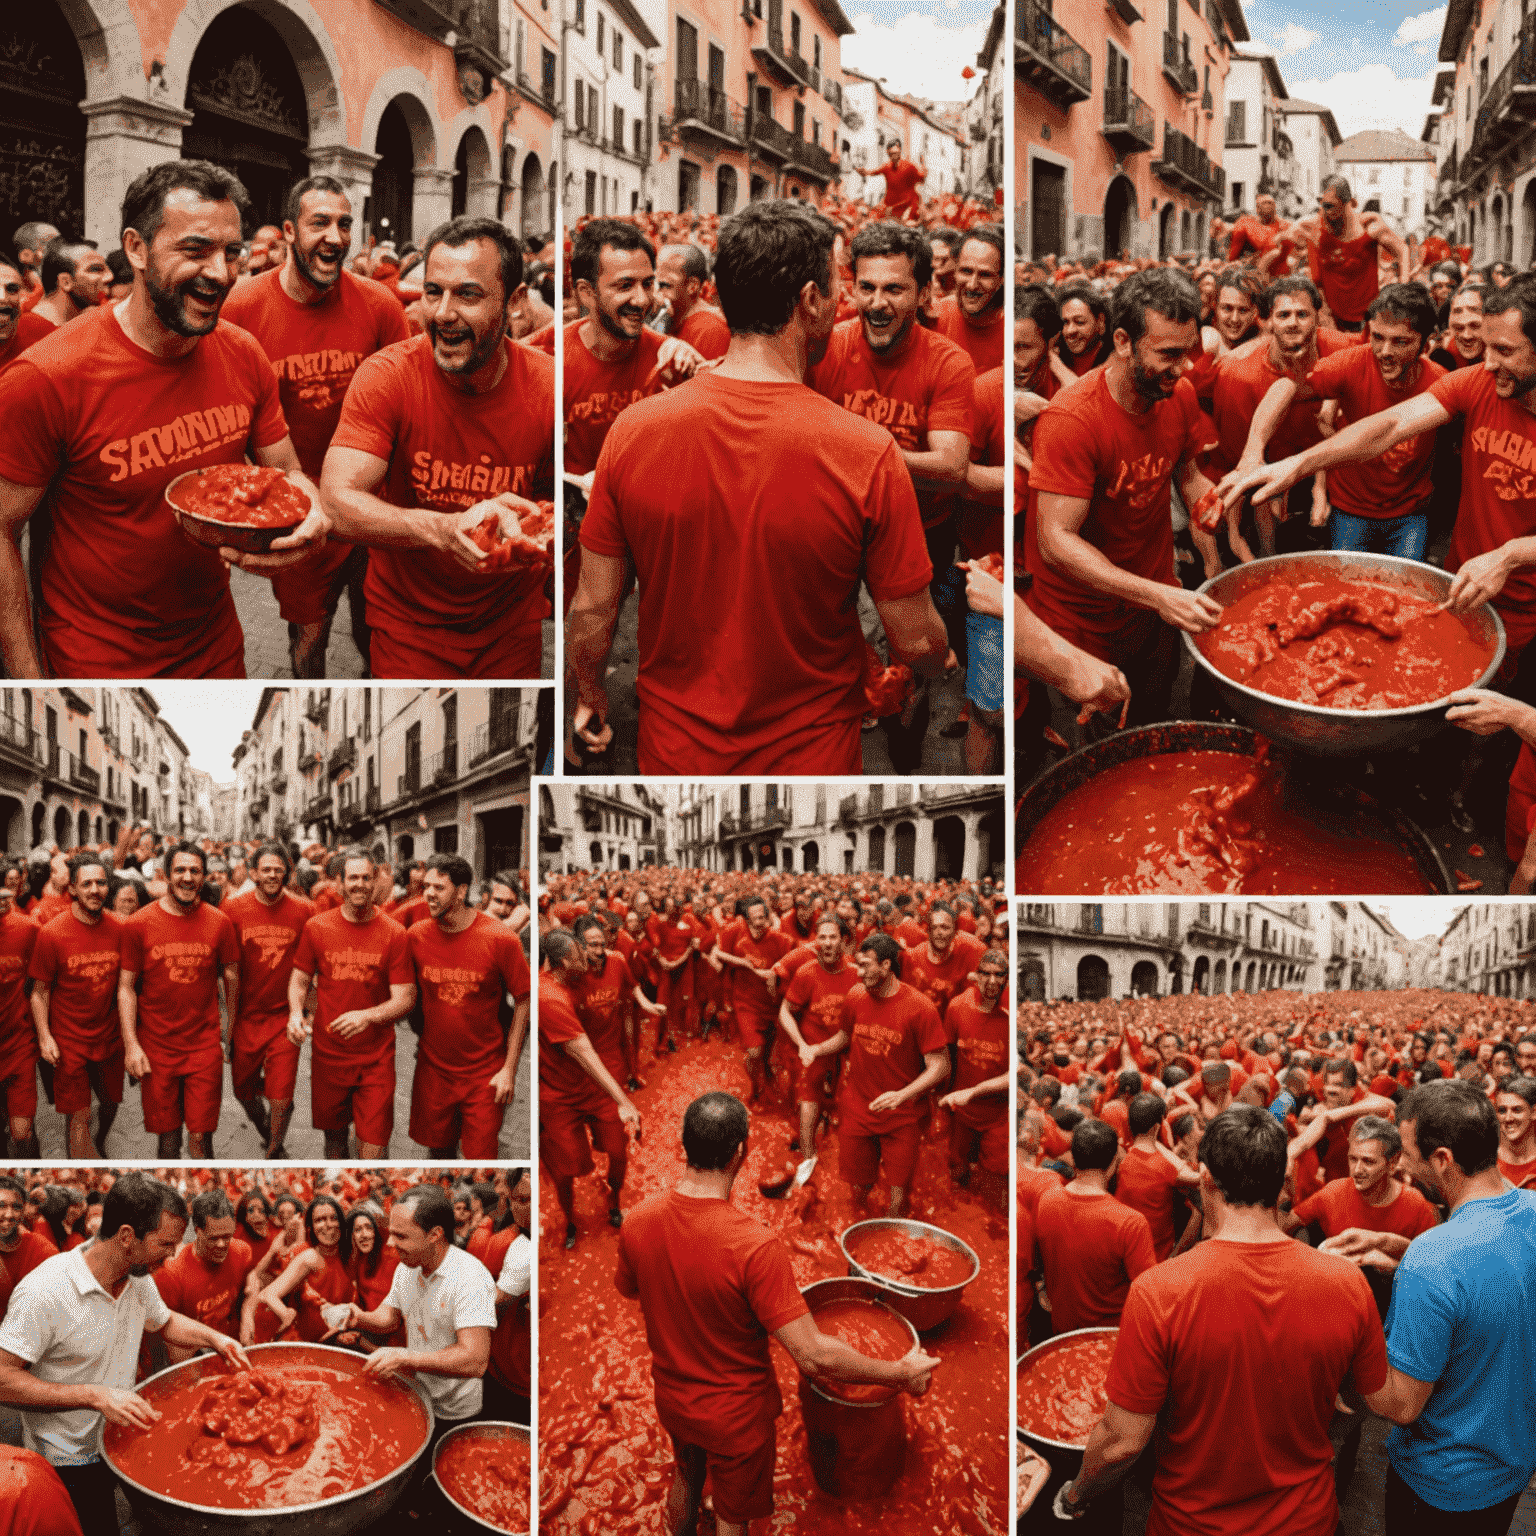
(606, 1000)
(1371, 1197)
(18, 1038)
(978, 1101)
(466, 964)
(317, 322)
(752, 951)
(21, 1249)
(902, 179)
(1344, 252)
(972, 316)
(772, 478)
(896, 1054)
(1268, 238)
(681, 272)
(175, 952)
(74, 969)
(365, 985)
(206, 1279)
(811, 1015)
(18, 329)
(264, 1062)
(940, 966)
(103, 415)
(437, 435)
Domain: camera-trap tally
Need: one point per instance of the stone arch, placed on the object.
(1527, 245)
(532, 209)
(810, 858)
(455, 132)
(1144, 978)
(83, 829)
(108, 38)
(1092, 979)
(1201, 979)
(476, 183)
(595, 855)
(1219, 984)
(1120, 212)
(61, 827)
(39, 821)
(408, 88)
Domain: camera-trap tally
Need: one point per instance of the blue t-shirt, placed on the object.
(1464, 1317)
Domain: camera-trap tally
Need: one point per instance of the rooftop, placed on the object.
(1378, 144)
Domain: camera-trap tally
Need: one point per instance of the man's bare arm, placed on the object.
(17, 647)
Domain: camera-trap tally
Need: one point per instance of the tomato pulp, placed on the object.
(531, 548)
(488, 1472)
(872, 1330)
(1061, 1391)
(916, 1261)
(1345, 645)
(247, 494)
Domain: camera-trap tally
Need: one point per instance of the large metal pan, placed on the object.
(1063, 1457)
(502, 1429)
(923, 1307)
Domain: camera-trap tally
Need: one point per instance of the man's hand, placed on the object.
(891, 1099)
(1097, 686)
(1265, 483)
(1027, 406)
(292, 547)
(126, 1409)
(630, 1116)
(1480, 580)
(983, 593)
(298, 1029)
(386, 1362)
(48, 1049)
(231, 1353)
(345, 1025)
(135, 1062)
(807, 1056)
(919, 1368)
(958, 1099)
(1192, 612)
(582, 721)
(675, 362)
(502, 1085)
(1485, 713)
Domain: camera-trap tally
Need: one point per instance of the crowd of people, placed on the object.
(197, 1259)
(163, 959)
(1371, 1159)
(389, 387)
(824, 393)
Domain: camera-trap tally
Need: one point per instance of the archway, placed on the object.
(905, 837)
(991, 846)
(407, 851)
(1092, 979)
(1166, 229)
(39, 817)
(473, 176)
(760, 187)
(249, 110)
(1186, 240)
(623, 861)
(810, 858)
(61, 827)
(725, 190)
(948, 848)
(1252, 970)
(877, 849)
(1144, 979)
(1496, 227)
(1219, 978)
(9, 806)
(534, 221)
(1201, 978)
(1528, 224)
(42, 130)
(1200, 247)
(595, 855)
(1176, 976)
(1031, 979)
(112, 830)
(1119, 217)
(391, 204)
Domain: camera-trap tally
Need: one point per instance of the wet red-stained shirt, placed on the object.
(1250, 233)
(981, 1053)
(210, 1293)
(1347, 271)
(815, 996)
(637, 954)
(1247, 1344)
(16, 1265)
(705, 331)
(923, 384)
(1088, 446)
(354, 966)
(29, 329)
(712, 1284)
(766, 477)
(48, 906)
(562, 1079)
(33, 1494)
(981, 522)
(1145, 1182)
(446, 451)
(408, 911)
(596, 393)
(462, 978)
(18, 938)
(78, 962)
(983, 344)
(268, 937)
(750, 993)
(316, 348)
(901, 183)
(887, 1040)
(178, 961)
(940, 980)
(1091, 1248)
(1338, 1206)
(602, 1001)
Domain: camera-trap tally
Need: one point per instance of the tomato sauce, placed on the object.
(304, 1433)
(1189, 823)
(1061, 1391)
(488, 1472)
(246, 494)
(604, 1461)
(920, 1262)
(872, 1330)
(1345, 645)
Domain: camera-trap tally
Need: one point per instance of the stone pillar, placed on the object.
(353, 168)
(123, 137)
(483, 194)
(970, 863)
(888, 865)
(432, 201)
(925, 852)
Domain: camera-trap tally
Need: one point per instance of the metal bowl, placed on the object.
(337, 1516)
(211, 533)
(504, 1430)
(1321, 788)
(852, 1288)
(1063, 1457)
(1340, 732)
(923, 1307)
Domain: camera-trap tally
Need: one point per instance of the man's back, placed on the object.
(1092, 1247)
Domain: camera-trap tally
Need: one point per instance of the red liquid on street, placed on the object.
(488, 1472)
(915, 1261)
(247, 494)
(872, 1330)
(1345, 645)
(1061, 1392)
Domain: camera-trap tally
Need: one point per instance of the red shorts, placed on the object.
(264, 1060)
(860, 1158)
(755, 1030)
(354, 1093)
(564, 1150)
(429, 651)
(307, 592)
(72, 1076)
(817, 1083)
(446, 1107)
(985, 1144)
(18, 1077)
(740, 1485)
(183, 1092)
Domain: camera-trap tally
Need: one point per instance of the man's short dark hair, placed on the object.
(211, 1205)
(272, 851)
(1454, 1115)
(1519, 293)
(464, 230)
(1169, 293)
(988, 234)
(15, 1186)
(430, 1206)
(354, 852)
(883, 947)
(695, 262)
(1034, 301)
(1285, 286)
(764, 257)
(101, 861)
(1128, 1082)
(1244, 1150)
(585, 924)
(457, 870)
(184, 846)
(137, 1201)
(296, 193)
(1094, 1144)
(1338, 186)
(1521, 1087)
(1408, 303)
(714, 1126)
(1374, 1128)
(885, 237)
(1343, 1067)
(555, 945)
(950, 239)
(1182, 1126)
(29, 236)
(1248, 281)
(144, 201)
(59, 259)
(594, 235)
(1146, 1111)
(1173, 1076)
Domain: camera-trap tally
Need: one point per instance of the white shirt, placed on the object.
(516, 1278)
(66, 1326)
(459, 1293)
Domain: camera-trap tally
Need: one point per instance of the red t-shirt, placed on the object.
(316, 348)
(981, 522)
(354, 965)
(922, 385)
(32, 1493)
(705, 331)
(1145, 1182)
(1092, 1247)
(48, 906)
(1087, 445)
(562, 1079)
(462, 978)
(178, 961)
(815, 997)
(16, 1265)
(1250, 233)
(79, 962)
(1346, 271)
(741, 672)
(268, 937)
(408, 911)
(596, 392)
(983, 344)
(982, 1042)
(1247, 1343)
(1338, 1206)
(18, 938)
(888, 1038)
(446, 451)
(511, 1344)
(211, 1295)
(106, 426)
(712, 1285)
(940, 980)
(1519, 1174)
(636, 953)
(29, 328)
(601, 1006)
(901, 183)
(750, 993)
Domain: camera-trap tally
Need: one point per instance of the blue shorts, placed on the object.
(984, 660)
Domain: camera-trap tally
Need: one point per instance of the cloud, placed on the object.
(915, 55)
(1292, 39)
(1373, 96)
(1426, 27)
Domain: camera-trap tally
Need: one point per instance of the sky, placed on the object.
(1374, 64)
(1420, 916)
(209, 717)
(918, 47)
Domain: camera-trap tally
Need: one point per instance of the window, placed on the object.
(815, 132)
(637, 69)
(1405, 207)
(591, 193)
(1407, 175)
(799, 119)
(581, 108)
(618, 50)
(602, 41)
(794, 33)
(1117, 84)
(547, 75)
(522, 42)
(639, 145)
(618, 129)
(816, 50)
(581, 15)
(1237, 194)
(1373, 178)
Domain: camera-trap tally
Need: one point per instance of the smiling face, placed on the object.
(212, 1242)
(90, 888)
(1081, 329)
(465, 306)
(622, 299)
(271, 873)
(364, 1234)
(357, 885)
(1161, 357)
(327, 1225)
(886, 294)
(186, 879)
(1515, 1117)
(978, 278)
(319, 241)
(1236, 315)
(1508, 355)
(191, 264)
(443, 897)
(1396, 346)
(1293, 324)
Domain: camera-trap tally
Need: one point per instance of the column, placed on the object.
(123, 138)
(353, 168)
(888, 864)
(432, 201)
(924, 852)
(971, 864)
(483, 195)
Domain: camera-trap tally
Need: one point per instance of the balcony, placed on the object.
(702, 112)
(345, 756)
(766, 819)
(493, 739)
(1178, 67)
(729, 826)
(1049, 58)
(373, 800)
(778, 63)
(769, 137)
(1509, 108)
(1184, 164)
(472, 28)
(816, 78)
(317, 707)
(1125, 10)
(310, 761)
(443, 767)
(848, 810)
(832, 90)
(257, 804)
(1128, 122)
(279, 783)
(277, 760)
(409, 782)
(18, 742)
(317, 808)
(813, 160)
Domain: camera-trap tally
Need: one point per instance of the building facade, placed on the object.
(607, 80)
(1314, 137)
(1390, 174)
(599, 826)
(984, 113)
(1491, 948)
(924, 134)
(1258, 155)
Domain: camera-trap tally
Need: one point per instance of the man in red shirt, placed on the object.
(757, 469)
(606, 1001)
(175, 951)
(125, 400)
(365, 985)
(75, 275)
(1343, 1100)
(21, 1249)
(972, 316)
(940, 965)
(206, 1279)
(466, 964)
(978, 1132)
(1244, 1342)
(1342, 252)
(902, 180)
(18, 1038)
(896, 1054)
(752, 952)
(264, 1062)
(74, 969)
(1149, 1173)
(1372, 1196)
(811, 1015)
(317, 322)
(439, 434)
(1515, 1105)
(712, 1285)
(18, 329)
(681, 272)
(1265, 236)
